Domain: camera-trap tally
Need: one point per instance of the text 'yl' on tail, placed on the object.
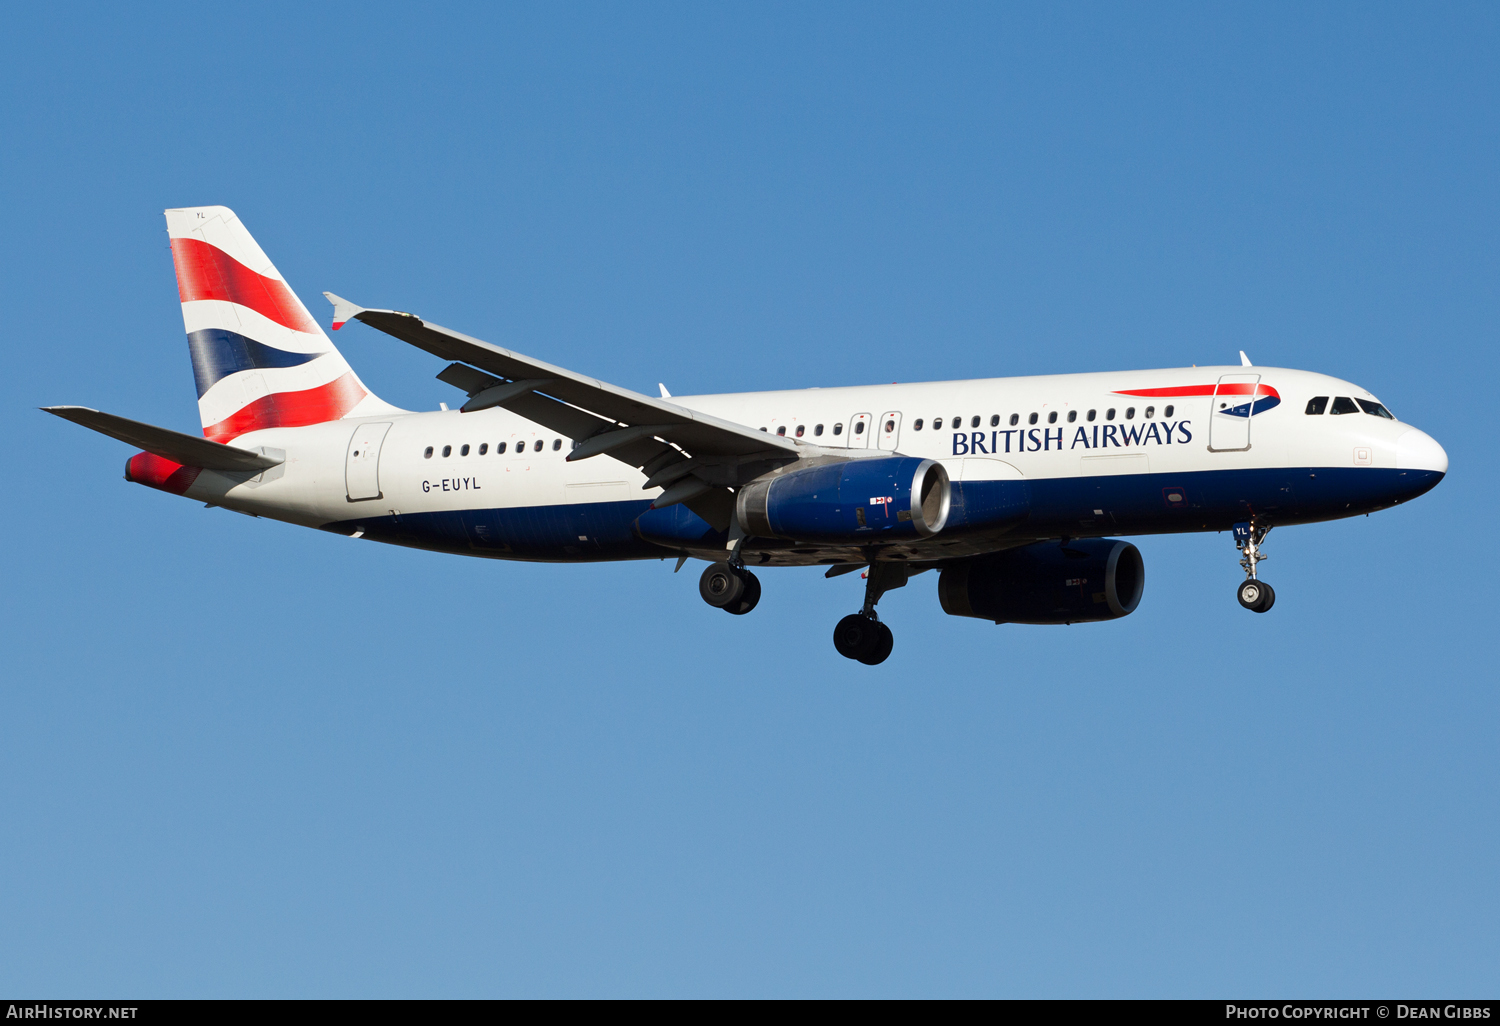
(259, 358)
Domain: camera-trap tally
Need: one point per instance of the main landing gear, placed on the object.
(1254, 594)
(729, 586)
(861, 636)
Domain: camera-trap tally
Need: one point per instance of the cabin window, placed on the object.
(890, 425)
(859, 427)
(1052, 417)
(1031, 419)
(484, 447)
(818, 431)
(463, 450)
(1316, 405)
(556, 444)
(1109, 414)
(1072, 416)
(975, 422)
(1091, 415)
(916, 425)
(1015, 418)
(762, 430)
(1375, 409)
(447, 450)
(1130, 413)
(995, 420)
(538, 446)
(838, 429)
(499, 448)
(427, 453)
(1343, 404)
(1150, 412)
(1167, 412)
(781, 430)
(801, 430)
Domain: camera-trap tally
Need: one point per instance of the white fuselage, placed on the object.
(433, 461)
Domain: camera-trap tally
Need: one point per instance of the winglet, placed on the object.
(1244, 360)
(664, 393)
(343, 310)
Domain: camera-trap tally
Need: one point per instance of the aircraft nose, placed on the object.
(1417, 450)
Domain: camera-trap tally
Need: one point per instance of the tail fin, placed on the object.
(259, 359)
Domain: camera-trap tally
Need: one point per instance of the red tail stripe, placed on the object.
(1183, 391)
(155, 471)
(291, 409)
(207, 272)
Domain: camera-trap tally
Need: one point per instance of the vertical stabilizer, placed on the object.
(259, 359)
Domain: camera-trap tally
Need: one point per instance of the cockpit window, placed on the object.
(1374, 409)
(1343, 404)
(1316, 405)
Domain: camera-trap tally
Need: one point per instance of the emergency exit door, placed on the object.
(888, 431)
(362, 467)
(859, 431)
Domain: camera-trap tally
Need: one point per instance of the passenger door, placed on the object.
(1229, 416)
(362, 466)
(890, 431)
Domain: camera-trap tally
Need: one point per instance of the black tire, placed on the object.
(856, 636)
(721, 586)
(1252, 595)
(1268, 600)
(883, 645)
(749, 598)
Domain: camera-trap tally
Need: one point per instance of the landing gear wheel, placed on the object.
(857, 637)
(722, 586)
(749, 598)
(1256, 596)
(884, 642)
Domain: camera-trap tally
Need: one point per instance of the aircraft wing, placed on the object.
(605, 419)
(188, 450)
(696, 432)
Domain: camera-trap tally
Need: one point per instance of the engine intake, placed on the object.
(878, 497)
(1087, 580)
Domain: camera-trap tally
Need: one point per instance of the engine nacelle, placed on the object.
(1089, 579)
(879, 497)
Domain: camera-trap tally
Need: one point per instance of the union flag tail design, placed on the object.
(259, 358)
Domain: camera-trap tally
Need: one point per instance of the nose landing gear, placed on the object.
(1257, 596)
(1254, 594)
(861, 636)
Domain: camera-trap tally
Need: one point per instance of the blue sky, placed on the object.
(245, 759)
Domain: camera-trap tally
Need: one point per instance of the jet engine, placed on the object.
(1077, 582)
(880, 497)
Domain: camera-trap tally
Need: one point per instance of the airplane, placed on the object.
(1014, 490)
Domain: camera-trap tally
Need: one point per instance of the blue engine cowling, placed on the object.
(859, 499)
(1085, 580)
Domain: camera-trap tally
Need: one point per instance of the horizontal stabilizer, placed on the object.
(188, 450)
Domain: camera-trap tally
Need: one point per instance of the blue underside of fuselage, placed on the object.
(1126, 504)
